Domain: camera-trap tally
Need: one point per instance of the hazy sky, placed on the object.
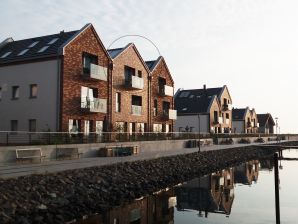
(249, 45)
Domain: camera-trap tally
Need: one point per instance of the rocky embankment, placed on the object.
(69, 195)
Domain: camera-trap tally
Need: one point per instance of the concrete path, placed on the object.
(12, 170)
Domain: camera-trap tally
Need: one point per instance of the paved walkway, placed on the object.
(11, 170)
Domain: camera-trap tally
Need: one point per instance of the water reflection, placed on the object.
(213, 193)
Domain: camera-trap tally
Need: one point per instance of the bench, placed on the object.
(62, 153)
(123, 150)
(29, 154)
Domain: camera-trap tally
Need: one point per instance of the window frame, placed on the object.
(15, 91)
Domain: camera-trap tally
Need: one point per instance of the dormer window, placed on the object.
(53, 41)
(6, 54)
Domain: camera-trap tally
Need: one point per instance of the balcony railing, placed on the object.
(166, 90)
(96, 105)
(136, 110)
(250, 124)
(227, 121)
(134, 82)
(96, 72)
(227, 107)
(170, 114)
(220, 120)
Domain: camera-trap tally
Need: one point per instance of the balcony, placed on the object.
(96, 72)
(134, 82)
(136, 110)
(220, 120)
(227, 107)
(258, 125)
(95, 105)
(166, 90)
(170, 114)
(227, 121)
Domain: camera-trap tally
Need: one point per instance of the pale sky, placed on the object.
(249, 45)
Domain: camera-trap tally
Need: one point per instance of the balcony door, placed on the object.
(89, 59)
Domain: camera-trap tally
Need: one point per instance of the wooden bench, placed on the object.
(29, 154)
(63, 153)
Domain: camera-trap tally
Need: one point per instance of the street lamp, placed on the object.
(276, 126)
(199, 123)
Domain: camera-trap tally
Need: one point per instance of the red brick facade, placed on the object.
(161, 71)
(129, 57)
(72, 79)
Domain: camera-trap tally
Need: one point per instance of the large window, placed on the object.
(32, 125)
(128, 72)
(165, 107)
(14, 125)
(89, 59)
(15, 92)
(33, 90)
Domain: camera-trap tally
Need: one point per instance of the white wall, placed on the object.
(193, 121)
(238, 126)
(43, 108)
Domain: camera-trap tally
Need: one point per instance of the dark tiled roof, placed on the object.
(263, 118)
(238, 114)
(150, 64)
(115, 52)
(18, 46)
(191, 102)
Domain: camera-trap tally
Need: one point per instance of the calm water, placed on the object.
(242, 194)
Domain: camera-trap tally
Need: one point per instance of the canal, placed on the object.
(241, 194)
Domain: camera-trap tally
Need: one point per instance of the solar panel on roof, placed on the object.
(43, 49)
(6, 54)
(23, 52)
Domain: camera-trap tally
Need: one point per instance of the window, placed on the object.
(140, 73)
(89, 59)
(165, 107)
(32, 125)
(14, 125)
(118, 102)
(33, 44)
(136, 100)
(128, 72)
(33, 90)
(43, 49)
(6, 54)
(53, 41)
(155, 108)
(15, 92)
(23, 52)
(227, 116)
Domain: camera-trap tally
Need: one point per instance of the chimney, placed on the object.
(61, 32)
(204, 86)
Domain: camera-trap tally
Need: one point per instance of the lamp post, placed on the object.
(199, 123)
(276, 126)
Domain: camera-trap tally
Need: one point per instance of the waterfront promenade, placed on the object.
(11, 170)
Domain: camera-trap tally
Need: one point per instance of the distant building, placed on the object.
(266, 123)
(244, 120)
(212, 105)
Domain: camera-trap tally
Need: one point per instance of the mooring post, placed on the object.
(276, 184)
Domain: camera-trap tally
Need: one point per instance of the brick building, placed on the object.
(69, 82)
(57, 82)
(161, 94)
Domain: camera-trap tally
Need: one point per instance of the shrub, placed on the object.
(244, 141)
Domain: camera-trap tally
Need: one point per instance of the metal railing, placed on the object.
(53, 138)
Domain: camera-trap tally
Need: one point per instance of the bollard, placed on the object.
(276, 184)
